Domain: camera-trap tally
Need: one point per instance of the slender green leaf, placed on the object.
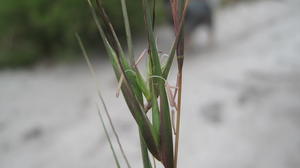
(166, 136)
(138, 113)
(154, 56)
(115, 43)
(128, 32)
(102, 100)
(155, 111)
(108, 138)
(143, 86)
(144, 150)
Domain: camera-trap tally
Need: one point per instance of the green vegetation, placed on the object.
(32, 30)
(152, 102)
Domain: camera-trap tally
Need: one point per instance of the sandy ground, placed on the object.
(241, 104)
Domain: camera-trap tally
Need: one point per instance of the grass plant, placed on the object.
(159, 134)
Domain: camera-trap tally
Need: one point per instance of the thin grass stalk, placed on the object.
(140, 81)
(174, 10)
(115, 43)
(144, 151)
(93, 73)
(108, 138)
(182, 5)
(143, 145)
(167, 67)
(178, 119)
(107, 45)
(115, 133)
(128, 32)
(154, 56)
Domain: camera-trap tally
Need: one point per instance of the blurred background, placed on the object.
(241, 95)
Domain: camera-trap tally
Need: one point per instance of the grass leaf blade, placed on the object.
(166, 136)
(102, 100)
(144, 150)
(108, 138)
(128, 32)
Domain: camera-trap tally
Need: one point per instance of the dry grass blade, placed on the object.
(178, 33)
(181, 7)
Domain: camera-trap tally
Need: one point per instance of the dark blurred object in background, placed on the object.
(34, 30)
(199, 13)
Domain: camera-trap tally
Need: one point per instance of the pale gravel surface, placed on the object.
(241, 101)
